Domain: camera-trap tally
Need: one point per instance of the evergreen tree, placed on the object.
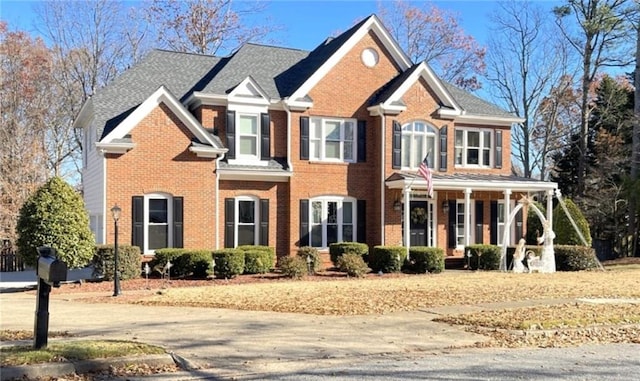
(55, 216)
(566, 234)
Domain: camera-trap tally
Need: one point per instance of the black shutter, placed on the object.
(498, 148)
(494, 223)
(479, 221)
(304, 138)
(304, 223)
(178, 222)
(443, 149)
(396, 146)
(362, 221)
(265, 137)
(231, 134)
(362, 141)
(229, 222)
(519, 227)
(137, 219)
(264, 222)
(453, 215)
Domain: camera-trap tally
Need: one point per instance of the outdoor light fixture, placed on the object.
(445, 206)
(115, 212)
(397, 205)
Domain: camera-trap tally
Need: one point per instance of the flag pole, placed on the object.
(407, 196)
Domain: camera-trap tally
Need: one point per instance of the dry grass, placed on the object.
(374, 295)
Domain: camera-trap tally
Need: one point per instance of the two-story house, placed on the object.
(290, 148)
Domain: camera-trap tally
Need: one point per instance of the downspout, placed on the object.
(288, 111)
(382, 173)
(217, 197)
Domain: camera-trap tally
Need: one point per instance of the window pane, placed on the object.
(459, 138)
(418, 156)
(248, 145)
(486, 157)
(316, 130)
(347, 212)
(431, 150)
(458, 155)
(348, 151)
(348, 131)
(473, 139)
(419, 127)
(500, 212)
(486, 139)
(314, 148)
(406, 150)
(332, 234)
(158, 237)
(472, 156)
(332, 212)
(316, 236)
(246, 212)
(347, 233)
(248, 125)
(332, 130)
(246, 235)
(316, 208)
(332, 150)
(158, 211)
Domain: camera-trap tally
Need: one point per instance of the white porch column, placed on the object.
(467, 217)
(405, 221)
(507, 213)
(550, 209)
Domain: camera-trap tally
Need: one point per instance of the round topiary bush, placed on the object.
(293, 267)
(163, 256)
(388, 259)
(575, 258)
(566, 234)
(196, 263)
(257, 261)
(129, 262)
(310, 254)
(55, 216)
(353, 265)
(424, 259)
(229, 263)
(339, 248)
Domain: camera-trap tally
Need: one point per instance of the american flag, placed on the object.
(425, 172)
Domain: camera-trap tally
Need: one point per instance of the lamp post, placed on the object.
(115, 212)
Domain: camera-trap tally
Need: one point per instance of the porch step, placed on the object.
(454, 263)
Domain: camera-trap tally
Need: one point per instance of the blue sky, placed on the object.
(307, 23)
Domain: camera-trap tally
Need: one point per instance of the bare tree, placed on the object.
(601, 40)
(433, 35)
(25, 77)
(524, 61)
(635, 151)
(206, 26)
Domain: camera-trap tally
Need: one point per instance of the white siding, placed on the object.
(93, 187)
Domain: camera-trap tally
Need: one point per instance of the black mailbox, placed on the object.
(50, 269)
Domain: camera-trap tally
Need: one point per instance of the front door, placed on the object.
(418, 222)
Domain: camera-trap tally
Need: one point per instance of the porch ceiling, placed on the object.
(460, 181)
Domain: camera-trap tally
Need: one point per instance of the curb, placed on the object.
(79, 367)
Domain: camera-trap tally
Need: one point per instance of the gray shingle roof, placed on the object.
(474, 105)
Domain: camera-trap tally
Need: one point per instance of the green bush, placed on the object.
(293, 267)
(575, 258)
(424, 259)
(129, 262)
(339, 248)
(353, 265)
(229, 263)
(534, 224)
(55, 216)
(258, 261)
(565, 232)
(311, 252)
(196, 263)
(388, 259)
(162, 256)
(484, 257)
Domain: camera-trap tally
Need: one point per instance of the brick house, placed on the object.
(290, 148)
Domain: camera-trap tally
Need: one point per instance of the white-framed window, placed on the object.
(331, 220)
(461, 228)
(500, 221)
(473, 147)
(418, 140)
(158, 216)
(332, 139)
(246, 224)
(247, 145)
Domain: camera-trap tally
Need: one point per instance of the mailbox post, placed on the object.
(51, 272)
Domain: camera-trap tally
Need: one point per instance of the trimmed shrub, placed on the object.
(257, 261)
(196, 263)
(484, 257)
(425, 259)
(353, 265)
(162, 256)
(388, 259)
(55, 216)
(565, 233)
(129, 262)
(229, 262)
(575, 258)
(339, 248)
(534, 225)
(310, 252)
(293, 267)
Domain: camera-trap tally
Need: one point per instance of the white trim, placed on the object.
(207, 152)
(339, 218)
(371, 24)
(253, 175)
(236, 217)
(145, 210)
(481, 147)
(488, 120)
(117, 148)
(487, 185)
(162, 95)
(248, 92)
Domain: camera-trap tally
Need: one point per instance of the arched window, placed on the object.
(418, 140)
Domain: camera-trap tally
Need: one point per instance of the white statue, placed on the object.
(518, 257)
